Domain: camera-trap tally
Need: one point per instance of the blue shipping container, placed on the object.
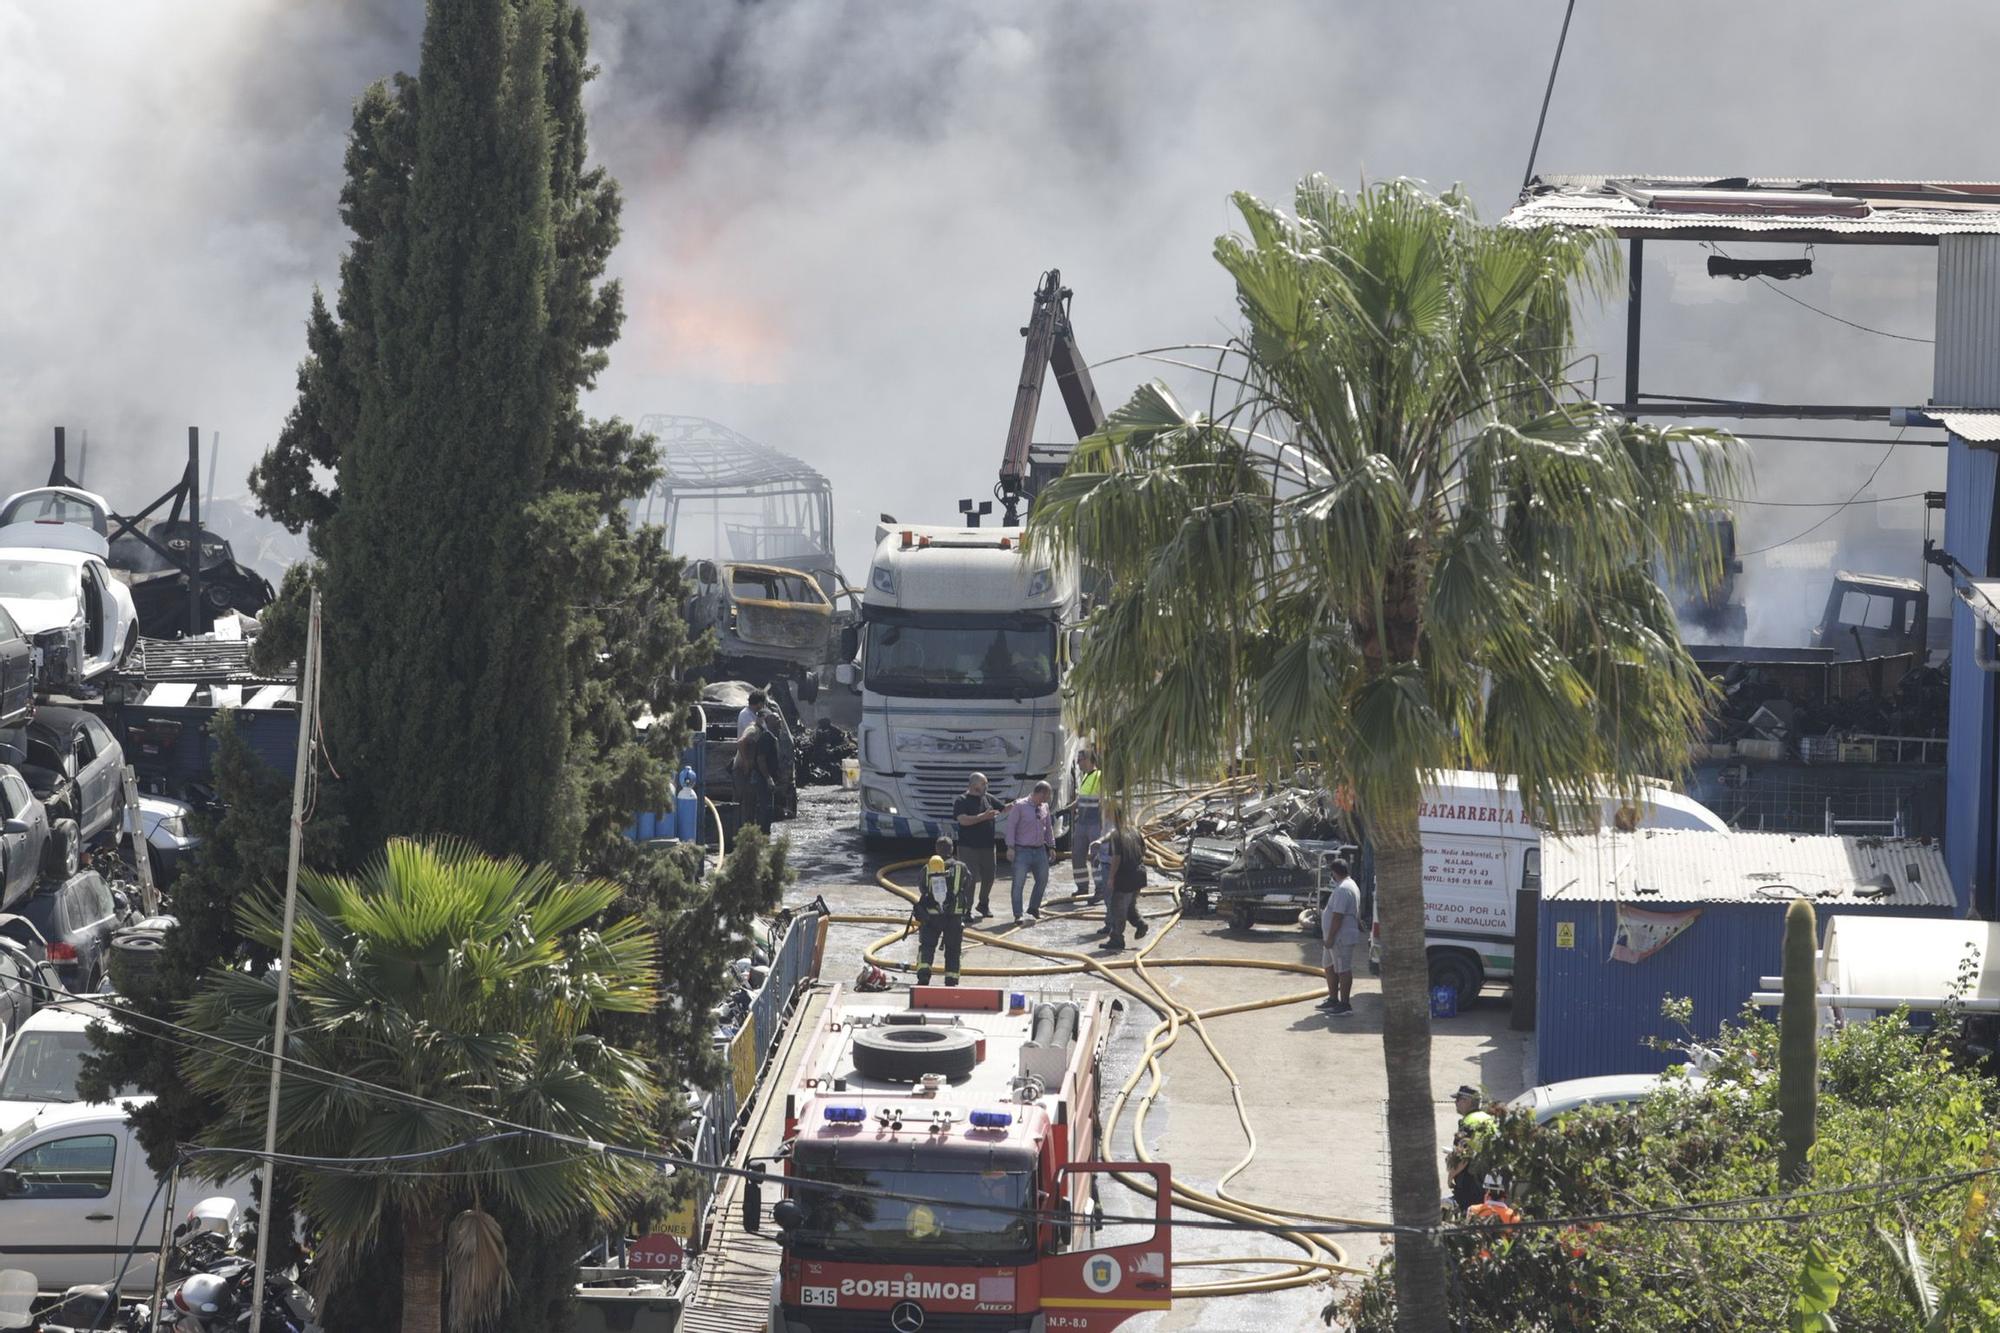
(1597, 1014)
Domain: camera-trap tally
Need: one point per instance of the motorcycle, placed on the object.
(212, 1292)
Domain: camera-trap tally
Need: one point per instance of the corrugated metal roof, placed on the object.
(1642, 204)
(1972, 426)
(1655, 867)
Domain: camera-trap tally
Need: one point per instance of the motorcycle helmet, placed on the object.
(203, 1294)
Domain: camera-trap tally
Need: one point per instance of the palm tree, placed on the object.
(470, 982)
(1398, 539)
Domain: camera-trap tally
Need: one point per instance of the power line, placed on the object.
(1879, 465)
(1831, 504)
(1838, 319)
(503, 1130)
(1535, 148)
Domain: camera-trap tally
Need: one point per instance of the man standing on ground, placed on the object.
(1030, 832)
(1126, 878)
(976, 813)
(748, 713)
(944, 905)
(756, 774)
(1086, 825)
(1340, 933)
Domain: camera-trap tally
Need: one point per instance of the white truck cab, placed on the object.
(1479, 849)
(965, 643)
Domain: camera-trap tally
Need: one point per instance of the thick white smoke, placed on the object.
(836, 210)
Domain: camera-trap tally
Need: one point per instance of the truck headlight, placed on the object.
(874, 798)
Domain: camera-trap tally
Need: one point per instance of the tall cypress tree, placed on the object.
(493, 624)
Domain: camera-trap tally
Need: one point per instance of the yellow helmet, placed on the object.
(936, 866)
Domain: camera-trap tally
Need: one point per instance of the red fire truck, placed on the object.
(961, 1126)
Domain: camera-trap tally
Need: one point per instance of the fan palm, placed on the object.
(467, 981)
(1397, 540)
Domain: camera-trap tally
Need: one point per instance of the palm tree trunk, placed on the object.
(1414, 1189)
(423, 1272)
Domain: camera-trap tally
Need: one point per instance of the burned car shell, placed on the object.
(160, 588)
(763, 612)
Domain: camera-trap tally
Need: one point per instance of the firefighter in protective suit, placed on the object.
(944, 905)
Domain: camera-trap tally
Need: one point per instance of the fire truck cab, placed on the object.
(941, 1159)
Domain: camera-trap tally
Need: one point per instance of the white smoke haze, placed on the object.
(836, 211)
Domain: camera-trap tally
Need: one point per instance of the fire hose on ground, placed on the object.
(1320, 1257)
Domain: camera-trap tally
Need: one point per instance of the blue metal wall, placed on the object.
(1970, 474)
(1594, 1015)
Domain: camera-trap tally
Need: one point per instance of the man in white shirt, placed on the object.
(747, 717)
(1340, 934)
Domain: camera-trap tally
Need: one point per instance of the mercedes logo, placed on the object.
(907, 1317)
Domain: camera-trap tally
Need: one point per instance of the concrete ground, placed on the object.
(1314, 1086)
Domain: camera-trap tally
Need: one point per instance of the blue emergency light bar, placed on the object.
(846, 1115)
(990, 1119)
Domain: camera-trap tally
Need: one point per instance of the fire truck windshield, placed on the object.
(982, 1213)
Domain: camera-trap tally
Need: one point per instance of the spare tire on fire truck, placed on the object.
(905, 1053)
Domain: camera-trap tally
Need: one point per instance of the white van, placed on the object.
(1479, 850)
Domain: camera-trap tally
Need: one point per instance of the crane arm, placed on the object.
(1051, 341)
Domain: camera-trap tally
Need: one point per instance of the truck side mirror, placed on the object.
(1075, 643)
(704, 571)
(788, 1215)
(850, 642)
(753, 1205)
(10, 1183)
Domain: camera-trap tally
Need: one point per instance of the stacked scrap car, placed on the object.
(57, 587)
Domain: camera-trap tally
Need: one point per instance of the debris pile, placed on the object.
(818, 761)
(1840, 713)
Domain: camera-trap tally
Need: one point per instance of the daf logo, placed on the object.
(907, 1317)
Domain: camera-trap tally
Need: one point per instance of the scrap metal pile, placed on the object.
(1763, 714)
(819, 755)
(1258, 851)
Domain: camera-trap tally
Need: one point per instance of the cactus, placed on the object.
(1798, 1046)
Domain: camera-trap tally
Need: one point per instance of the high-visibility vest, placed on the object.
(1089, 794)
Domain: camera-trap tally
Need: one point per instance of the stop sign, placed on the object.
(658, 1250)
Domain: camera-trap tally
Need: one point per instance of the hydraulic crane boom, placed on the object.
(1051, 341)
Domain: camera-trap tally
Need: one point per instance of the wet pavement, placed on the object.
(1313, 1086)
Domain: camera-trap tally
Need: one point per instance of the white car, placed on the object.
(78, 619)
(1553, 1099)
(57, 516)
(45, 1059)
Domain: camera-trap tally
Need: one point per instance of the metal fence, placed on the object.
(747, 1051)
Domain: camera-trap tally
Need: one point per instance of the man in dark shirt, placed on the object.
(974, 811)
(1127, 878)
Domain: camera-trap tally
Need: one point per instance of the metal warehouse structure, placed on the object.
(1961, 220)
(1629, 920)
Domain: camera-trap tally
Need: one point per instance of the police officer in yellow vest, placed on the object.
(944, 905)
(1086, 824)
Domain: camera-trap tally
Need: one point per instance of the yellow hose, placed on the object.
(1320, 1256)
(721, 839)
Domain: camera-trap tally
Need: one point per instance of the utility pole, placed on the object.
(308, 719)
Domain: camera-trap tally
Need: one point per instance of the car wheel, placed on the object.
(1460, 971)
(62, 853)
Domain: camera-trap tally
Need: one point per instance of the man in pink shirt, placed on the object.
(1030, 833)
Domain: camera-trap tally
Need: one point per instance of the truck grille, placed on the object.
(877, 1321)
(936, 786)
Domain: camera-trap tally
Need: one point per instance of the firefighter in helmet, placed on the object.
(944, 905)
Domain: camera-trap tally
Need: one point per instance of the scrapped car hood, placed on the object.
(37, 614)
